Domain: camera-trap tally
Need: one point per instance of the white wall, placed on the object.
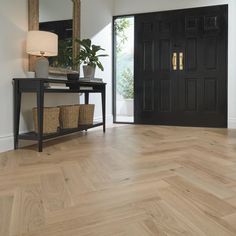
(13, 61)
(122, 7)
(97, 24)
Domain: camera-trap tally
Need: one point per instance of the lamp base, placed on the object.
(41, 67)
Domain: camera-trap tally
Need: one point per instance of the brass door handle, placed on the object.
(174, 61)
(181, 61)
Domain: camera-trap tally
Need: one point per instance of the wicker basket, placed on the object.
(86, 114)
(69, 116)
(50, 119)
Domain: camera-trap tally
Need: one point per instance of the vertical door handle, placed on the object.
(174, 61)
(181, 61)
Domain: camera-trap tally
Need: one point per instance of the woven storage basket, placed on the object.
(50, 119)
(86, 114)
(69, 116)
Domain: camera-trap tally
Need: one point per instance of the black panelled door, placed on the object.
(181, 67)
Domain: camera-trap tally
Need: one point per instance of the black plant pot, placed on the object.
(73, 76)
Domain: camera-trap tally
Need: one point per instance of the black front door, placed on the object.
(181, 67)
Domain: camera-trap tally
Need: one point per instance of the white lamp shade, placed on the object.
(42, 43)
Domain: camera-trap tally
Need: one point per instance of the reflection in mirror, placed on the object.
(56, 16)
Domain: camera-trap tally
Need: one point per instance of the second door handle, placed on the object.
(181, 61)
(175, 59)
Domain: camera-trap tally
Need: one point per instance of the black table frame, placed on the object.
(39, 86)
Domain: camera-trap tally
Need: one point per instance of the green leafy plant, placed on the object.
(121, 25)
(88, 54)
(126, 84)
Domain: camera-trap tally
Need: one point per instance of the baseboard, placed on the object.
(6, 143)
(109, 119)
(232, 123)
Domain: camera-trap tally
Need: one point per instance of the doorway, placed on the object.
(180, 67)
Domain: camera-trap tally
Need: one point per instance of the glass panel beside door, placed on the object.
(123, 69)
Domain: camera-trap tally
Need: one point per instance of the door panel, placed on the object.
(165, 96)
(210, 94)
(165, 52)
(191, 54)
(210, 53)
(193, 93)
(148, 56)
(148, 95)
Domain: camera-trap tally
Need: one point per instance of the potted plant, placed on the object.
(89, 57)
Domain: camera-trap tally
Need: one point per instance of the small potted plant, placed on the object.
(89, 57)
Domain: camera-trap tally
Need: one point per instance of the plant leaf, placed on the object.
(102, 55)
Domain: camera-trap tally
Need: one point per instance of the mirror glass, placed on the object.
(57, 16)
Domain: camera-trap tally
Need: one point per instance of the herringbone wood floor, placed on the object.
(133, 181)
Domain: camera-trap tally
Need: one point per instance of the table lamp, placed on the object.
(43, 44)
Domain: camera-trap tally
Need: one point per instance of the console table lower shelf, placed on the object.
(62, 132)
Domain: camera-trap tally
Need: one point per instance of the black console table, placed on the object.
(39, 86)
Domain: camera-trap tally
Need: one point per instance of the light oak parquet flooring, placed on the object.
(132, 181)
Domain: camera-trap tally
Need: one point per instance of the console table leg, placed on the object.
(86, 98)
(104, 109)
(40, 105)
(86, 101)
(17, 107)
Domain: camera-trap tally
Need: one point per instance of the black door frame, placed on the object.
(114, 57)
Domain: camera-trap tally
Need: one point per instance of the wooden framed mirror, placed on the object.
(63, 18)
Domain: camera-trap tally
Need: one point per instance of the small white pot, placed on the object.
(89, 72)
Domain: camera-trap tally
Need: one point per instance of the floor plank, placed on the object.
(28, 213)
(5, 214)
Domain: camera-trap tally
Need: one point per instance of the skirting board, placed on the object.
(232, 123)
(7, 141)
(109, 119)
